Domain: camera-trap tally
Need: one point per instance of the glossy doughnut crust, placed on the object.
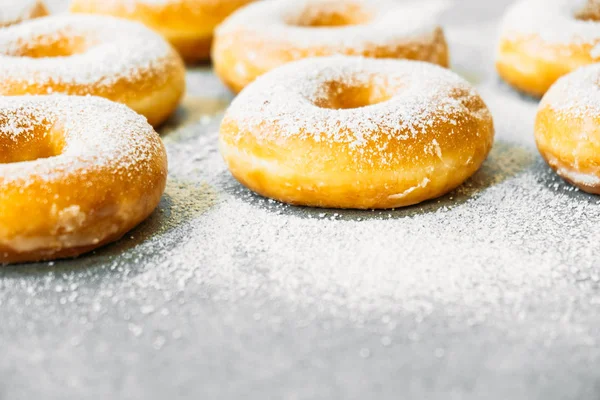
(93, 55)
(567, 128)
(542, 40)
(352, 132)
(187, 24)
(76, 173)
(15, 11)
(267, 34)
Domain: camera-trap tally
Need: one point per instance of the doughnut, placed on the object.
(15, 11)
(354, 132)
(83, 170)
(269, 33)
(187, 24)
(92, 55)
(567, 128)
(543, 40)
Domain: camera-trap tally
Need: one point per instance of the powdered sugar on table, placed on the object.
(492, 291)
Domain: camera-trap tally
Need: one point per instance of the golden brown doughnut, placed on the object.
(187, 24)
(352, 132)
(92, 55)
(567, 128)
(15, 11)
(269, 33)
(76, 173)
(544, 40)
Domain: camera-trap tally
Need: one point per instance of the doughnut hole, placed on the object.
(28, 140)
(62, 45)
(330, 15)
(338, 95)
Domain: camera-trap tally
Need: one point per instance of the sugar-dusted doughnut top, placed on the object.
(80, 54)
(555, 22)
(49, 138)
(353, 25)
(383, 112)
(577, 94)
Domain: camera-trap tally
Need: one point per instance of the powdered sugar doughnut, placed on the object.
(83, 170)
(542, 40)
(92, 55)
(15, 11)
(567, 128)
(187, 24)
(352, 132)
(267, 34)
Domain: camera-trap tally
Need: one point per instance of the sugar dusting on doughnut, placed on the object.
(577, 94)
(555, 21)
(109, 57)
(95, 129)
(102, 63)
(395, 23)
(354, 132)
(574, 101)
(424, 88)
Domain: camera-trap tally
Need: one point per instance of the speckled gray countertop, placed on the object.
(491, 292)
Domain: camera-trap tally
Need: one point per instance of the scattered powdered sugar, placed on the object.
(286, 101)
(388, 23)
(97, 134)
(488, 292)
(12, 11)
(554, 21)
(113, 50)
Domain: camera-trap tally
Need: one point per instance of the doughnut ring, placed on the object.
(15, 11)
(83, 170)
(353, 132)
(544, 40)
(187, 24)
(92, 55)
(269, 33)
(567, 128)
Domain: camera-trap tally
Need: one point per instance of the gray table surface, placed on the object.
(491, 292)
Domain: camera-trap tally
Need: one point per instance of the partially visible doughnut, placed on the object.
(351, 132)
(15, 11)
(542, 40)
(567, 128)
(92, 55)
(187, 24)
(269, 33)
(76, 173)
